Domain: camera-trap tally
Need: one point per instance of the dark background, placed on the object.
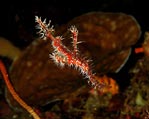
(17, 18)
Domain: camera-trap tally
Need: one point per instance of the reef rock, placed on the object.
(106, 39)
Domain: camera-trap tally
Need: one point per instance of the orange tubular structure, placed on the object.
(139, 50)
(13, 92)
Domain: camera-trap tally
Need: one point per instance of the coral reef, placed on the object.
(61, 93)
(46, 81)
(137, 94)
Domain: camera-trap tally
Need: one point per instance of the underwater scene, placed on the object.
(74, 59)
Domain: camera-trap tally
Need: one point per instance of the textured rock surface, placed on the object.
(107, 39)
